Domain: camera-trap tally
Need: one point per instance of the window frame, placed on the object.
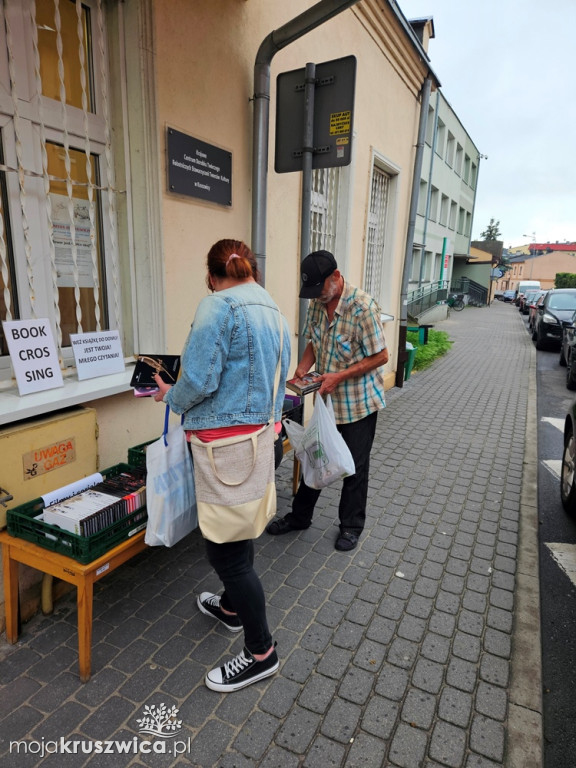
(34, 118)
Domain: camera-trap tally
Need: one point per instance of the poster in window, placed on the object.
(62, 238)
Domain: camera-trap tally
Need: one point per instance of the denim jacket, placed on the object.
(229, 361)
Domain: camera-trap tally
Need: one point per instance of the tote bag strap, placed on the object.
(277, 374)
(167, 424)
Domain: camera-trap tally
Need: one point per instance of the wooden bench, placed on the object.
(15, 550)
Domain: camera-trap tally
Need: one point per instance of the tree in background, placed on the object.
(492, 231)
(565, 280)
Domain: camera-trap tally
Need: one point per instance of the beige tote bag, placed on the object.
(235, 487)
(234, 477)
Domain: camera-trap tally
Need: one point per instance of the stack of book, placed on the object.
(97, 507)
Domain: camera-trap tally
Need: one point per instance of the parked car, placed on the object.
(509, 295)
(522, 299)
(568, 352)
(567, 472)
(558, 307)
(533, 309)
(526, 299)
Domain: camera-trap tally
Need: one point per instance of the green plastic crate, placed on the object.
(137, 454)
(22, 522)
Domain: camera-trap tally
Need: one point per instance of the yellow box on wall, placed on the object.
(40, 455)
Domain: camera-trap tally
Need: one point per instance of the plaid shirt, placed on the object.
(355, 333)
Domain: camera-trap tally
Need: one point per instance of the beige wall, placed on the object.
(205, 81)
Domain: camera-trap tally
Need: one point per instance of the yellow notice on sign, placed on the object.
(340, 122)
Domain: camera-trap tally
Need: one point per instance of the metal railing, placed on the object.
(426, 296)
(477, 294)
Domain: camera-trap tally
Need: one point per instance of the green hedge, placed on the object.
(565, 280)
(438, 345)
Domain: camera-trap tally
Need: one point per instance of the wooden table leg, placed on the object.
(10, 594)
(84, 601)
(295, 475)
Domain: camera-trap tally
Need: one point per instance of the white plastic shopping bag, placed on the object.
(170, 496)
(323, 454)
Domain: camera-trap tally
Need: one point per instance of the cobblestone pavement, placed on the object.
(400, 653)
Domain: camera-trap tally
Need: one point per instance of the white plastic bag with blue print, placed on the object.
(170, 494)
(323, 454)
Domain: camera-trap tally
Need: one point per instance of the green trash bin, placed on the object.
(409, 364)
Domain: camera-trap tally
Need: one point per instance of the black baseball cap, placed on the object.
(315, 268)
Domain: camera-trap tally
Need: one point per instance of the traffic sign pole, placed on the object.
(307, 160)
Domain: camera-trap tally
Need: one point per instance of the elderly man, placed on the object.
(347, 346)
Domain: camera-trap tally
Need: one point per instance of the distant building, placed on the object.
(538, 261)
(446, 198)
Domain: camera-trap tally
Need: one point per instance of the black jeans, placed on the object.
(243, 592)
(358, 436)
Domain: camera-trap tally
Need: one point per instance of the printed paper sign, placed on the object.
(97, 354)
(33, 354)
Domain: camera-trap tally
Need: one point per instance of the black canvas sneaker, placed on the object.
(243, 670)
(210, 605)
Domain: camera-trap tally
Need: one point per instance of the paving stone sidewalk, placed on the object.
(400, 653)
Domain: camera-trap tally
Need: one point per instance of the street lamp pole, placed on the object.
(533, 252)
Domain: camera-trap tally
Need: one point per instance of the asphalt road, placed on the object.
(557, 549)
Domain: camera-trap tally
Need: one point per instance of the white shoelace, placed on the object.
(236, 666)
(214, 601)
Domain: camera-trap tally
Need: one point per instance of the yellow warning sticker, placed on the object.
(340, 122)
(342, 140)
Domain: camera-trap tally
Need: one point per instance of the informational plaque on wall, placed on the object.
(198, 169)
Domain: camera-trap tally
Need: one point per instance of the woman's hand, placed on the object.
(162, 386)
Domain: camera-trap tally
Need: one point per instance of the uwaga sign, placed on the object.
(49, 457)
(198, 169)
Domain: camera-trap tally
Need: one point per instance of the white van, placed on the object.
(528, 285)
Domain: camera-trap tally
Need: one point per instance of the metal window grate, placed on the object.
(60, 116)
(324, 209)
(376, 231)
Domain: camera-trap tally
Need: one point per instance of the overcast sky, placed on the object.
(507, 68)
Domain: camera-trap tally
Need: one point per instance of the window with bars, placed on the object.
(376, 235)
(58, 251)
(324, 205)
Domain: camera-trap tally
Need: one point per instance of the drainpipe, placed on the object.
(426, 88)
(274, 42)
(429, 191)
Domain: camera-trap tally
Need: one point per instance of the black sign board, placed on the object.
(333, 113)
(198, 169)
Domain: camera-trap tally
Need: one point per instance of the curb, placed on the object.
(525, 717)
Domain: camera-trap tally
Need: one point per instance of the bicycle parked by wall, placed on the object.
(456, 302)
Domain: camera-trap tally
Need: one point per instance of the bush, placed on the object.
(438, 345)
(565, 280)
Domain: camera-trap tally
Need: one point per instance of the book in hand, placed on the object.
(304, 384)
(147, 366)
